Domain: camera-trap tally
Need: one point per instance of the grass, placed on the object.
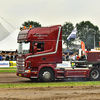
(8, 70)
(51, 84)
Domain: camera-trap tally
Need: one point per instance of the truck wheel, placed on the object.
(46, 75)
(94, 74)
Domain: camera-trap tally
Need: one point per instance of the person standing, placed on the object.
(0, 57)
(67, 56)
(63, 57)
(73, 56)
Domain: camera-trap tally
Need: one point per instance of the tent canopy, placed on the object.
(3, 32)
(10, 42)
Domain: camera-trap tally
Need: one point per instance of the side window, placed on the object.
(40, 46)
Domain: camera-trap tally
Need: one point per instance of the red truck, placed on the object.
(40, 51)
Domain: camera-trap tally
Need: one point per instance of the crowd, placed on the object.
(74, 56)
(8, 56)
(68, 57)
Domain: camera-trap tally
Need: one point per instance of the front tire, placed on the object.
(46, 75)
(94, 74)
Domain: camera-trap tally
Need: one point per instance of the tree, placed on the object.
(32, 23)
(86, 32)
(66, 31)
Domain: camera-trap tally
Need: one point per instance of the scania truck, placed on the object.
(46, 64)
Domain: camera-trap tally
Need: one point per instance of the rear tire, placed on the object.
(46, 75)
(94, 74)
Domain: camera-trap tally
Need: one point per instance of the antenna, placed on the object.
(7, 22)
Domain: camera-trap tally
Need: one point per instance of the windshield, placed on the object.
(24, 48)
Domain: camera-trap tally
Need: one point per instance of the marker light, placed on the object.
(30, 26)
(24, 27)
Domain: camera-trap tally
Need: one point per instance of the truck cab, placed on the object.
(39, 50)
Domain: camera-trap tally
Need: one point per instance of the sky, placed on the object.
(48, 12)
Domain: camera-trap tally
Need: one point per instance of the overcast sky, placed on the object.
(48, 12)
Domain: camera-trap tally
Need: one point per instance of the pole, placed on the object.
(7, 22)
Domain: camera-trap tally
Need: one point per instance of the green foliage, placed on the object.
(75, 50)
(32, 23)
(66, 31)
(86, 31)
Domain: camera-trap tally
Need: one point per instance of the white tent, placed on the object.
(3, 32)
(10, 42)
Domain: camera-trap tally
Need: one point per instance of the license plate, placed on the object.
(20, 75)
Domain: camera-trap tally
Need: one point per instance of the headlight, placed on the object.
(27, 71)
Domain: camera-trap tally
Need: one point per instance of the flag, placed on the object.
(72, 35)
(99, 43)
(82, 45)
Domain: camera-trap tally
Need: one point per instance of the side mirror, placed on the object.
(35, 49)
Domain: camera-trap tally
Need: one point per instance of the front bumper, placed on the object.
(24, 74)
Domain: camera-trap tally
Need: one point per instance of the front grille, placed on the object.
(20, 59)
(20, 65)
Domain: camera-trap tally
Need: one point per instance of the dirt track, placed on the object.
(45, 93)
(12, 78)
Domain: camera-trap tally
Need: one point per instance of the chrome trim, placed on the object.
(60, 71)
(60, 76)
(20, 65)
(73, 71)
(33, 71)
(33, 77)
(76, 76)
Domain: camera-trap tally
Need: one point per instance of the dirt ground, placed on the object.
(45, 93)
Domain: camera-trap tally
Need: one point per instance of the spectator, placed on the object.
(78, 57)
(76, 54)
(7, 57)
(71, 57)
(63, 57)
(82, 56)
(11, 56)
(0, 57)
(3, 56)
(85, 54)
(67, 56)
(15, 55)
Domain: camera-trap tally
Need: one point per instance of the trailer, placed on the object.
(40, 57)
